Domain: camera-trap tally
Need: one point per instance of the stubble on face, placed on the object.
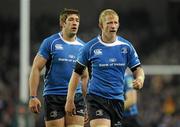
(71, 26)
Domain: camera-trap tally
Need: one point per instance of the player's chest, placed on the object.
(65, 54)
(109, 57)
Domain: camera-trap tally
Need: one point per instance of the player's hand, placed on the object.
(70, 107)
(34, 105)
(138, 83)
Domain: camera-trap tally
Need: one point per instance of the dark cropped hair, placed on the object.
(66, 12)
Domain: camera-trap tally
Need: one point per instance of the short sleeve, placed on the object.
(45, 49)
(83, 56)
(133, 59)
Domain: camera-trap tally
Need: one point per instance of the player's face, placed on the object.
(110, 25)
(71, 24)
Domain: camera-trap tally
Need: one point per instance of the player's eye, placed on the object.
(70, 19)
(109, 22)
(77, 19)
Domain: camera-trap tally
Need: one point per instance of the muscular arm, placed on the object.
(131, 98)
(73, 83)
(139, 78)
(84, 79)
(38, 64)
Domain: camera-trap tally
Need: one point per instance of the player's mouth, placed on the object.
(74, 28)
(112, 31)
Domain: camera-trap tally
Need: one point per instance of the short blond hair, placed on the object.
(105, 13)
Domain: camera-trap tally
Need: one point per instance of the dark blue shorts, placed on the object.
(99, 107)
(54, 106)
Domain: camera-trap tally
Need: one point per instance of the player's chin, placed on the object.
(74, 30)
(73, 33)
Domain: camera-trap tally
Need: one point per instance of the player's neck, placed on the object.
(68, 37)
(108, 39)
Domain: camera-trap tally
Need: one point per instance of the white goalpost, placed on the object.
(162, 69)
(24, 119)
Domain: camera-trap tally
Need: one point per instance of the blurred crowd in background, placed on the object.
(157, 40)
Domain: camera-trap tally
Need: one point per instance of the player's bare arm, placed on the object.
(139, 78)
(38, 64)
(84, 79)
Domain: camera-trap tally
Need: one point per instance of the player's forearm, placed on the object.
(34, 81)
(84, 79)
(73, 83)
(139, 74)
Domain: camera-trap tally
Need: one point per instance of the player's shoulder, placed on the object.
(92, 42)
(124, 40)
(52, 38)
(80, 41)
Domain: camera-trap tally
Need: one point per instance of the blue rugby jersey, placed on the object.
(132, 110)
(61, 56)
(108, 62)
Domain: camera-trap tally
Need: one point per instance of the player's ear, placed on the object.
(100, 25)
(62, 23)
(118, 25)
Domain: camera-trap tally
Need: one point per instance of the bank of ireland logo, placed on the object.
(98, 51)
(58, 47)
